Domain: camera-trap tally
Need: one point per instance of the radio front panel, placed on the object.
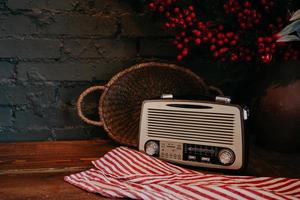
(194, 133)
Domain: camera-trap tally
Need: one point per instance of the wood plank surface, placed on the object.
(41, 186)
(59, 155)
(35, 170)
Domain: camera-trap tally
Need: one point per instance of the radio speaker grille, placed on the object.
(210, 127)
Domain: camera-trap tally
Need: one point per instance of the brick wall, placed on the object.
(51, 50)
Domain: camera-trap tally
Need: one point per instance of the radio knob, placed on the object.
(152, 148)
(226, 156)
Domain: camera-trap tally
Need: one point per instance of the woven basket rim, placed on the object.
(121, 74)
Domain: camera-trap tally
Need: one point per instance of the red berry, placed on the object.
(185, 52)
(216, 54)
(168, 2)
(197, 32)
(179, 46)
(197, 41)
(220, 43)
(233, 57)
(191, 8)
(247, 11)
(268, 39)
(224, 50)
(233, 43)
(188, 19)
(260, 39)
(193, 15)
(152, 6)
(209, 34)
(212, 47)
(186, 40)
(229, 34)
(247, 4)
(161, 9)
(200, 25)
(205, 39)
(220, 35)
(273, 46)
(176, 10)
(179, 57)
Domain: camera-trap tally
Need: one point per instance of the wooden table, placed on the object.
(35, 170)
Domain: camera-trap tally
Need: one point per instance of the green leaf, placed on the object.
(295, 16)
(295, 26)
(288, 38)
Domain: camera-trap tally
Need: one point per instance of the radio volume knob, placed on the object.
(152, 148)
(226, 156)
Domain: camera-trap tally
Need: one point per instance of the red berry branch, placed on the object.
(249, 33)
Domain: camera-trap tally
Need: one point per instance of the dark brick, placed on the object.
(69, 71)
(141, 26)
(13, 25)
(76, 133)
(26, 94)
(157, 47)
(49, 118)
(5, 116)
(70, 94)
(111, 7)
(2, 4)
(79, 25)
(106, 6)
(29, 48)
(102, 48)
(6, 71)
(41, 4)
(25, 135)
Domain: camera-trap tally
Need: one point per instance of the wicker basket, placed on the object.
(122, 97)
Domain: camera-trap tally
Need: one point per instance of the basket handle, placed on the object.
(79, 101)
(215, 90)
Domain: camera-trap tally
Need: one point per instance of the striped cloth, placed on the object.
(126, 173)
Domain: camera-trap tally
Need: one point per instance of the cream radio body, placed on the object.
(195, 133)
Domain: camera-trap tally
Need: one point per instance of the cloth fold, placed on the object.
(127, 173)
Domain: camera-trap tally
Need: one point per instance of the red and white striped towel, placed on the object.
(126, 173)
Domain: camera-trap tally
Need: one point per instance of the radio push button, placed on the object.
(192, 157)
(205, 159)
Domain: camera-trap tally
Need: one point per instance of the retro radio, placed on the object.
(193, 132)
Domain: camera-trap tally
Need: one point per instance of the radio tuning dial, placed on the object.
(152, 148)
(226, 156)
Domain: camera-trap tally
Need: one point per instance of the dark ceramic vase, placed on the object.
(276, 110)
